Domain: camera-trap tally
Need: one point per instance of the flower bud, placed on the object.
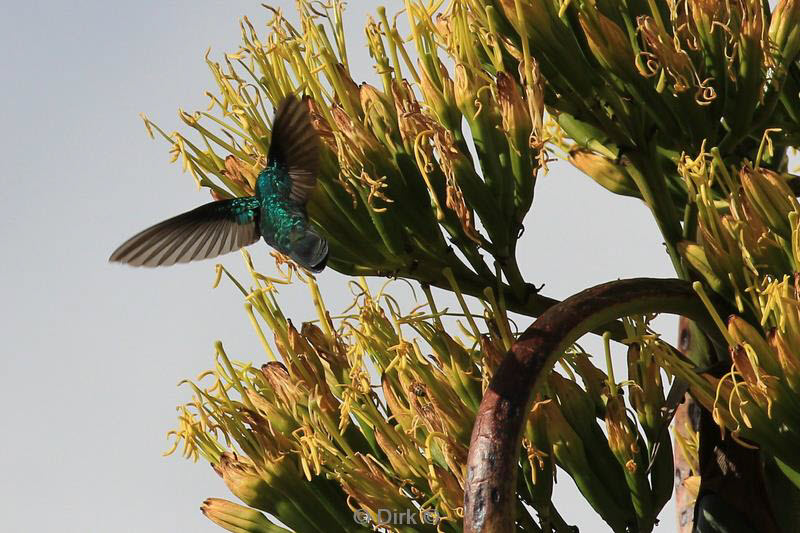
(570, 452)
(784, 30)
(647, 396)
(379, 112)
(595, 381)
(398, 457)
(439, 95)
(348, 87)
(608, 43)
(535, 20)
(320, 123)
(240, 475)
(364, 479)
(708, 17)
(579, 411)
(450, 486)
(217, 195)
(623, 439)
(744, 366)
(663, 55)
(457, 354)
(362, 144)
(410, 119)
(763, 252)
(465, 87)
(577, 405)
(243, 175)
(285, 389)
(743, 333)
(535, 92)
(398, 408)
(307, 368)
(280, 420)
(721, 248)
(695, 255)
(331, 350)
(605, 172)
(771, 197)
(494, 355)
(514, 112)
(238, 518)
(788, 359)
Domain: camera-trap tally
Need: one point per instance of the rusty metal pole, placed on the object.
(490, 497)
(687, 421)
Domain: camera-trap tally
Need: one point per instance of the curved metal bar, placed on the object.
(489, 499)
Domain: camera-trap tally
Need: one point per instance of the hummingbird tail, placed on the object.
(310, 251)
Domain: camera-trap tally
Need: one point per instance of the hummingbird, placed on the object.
(277, 212)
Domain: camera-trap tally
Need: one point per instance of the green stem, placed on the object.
(652, 185)
(531, 304)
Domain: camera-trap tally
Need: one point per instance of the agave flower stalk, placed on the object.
(373, 177)
(689, 107)
(307, 428)
(750, 400)
(711, 101)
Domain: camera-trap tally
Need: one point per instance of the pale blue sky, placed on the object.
(92, 352)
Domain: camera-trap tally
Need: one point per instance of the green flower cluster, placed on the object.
(690, 106)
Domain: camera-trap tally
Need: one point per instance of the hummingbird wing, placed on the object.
(210, 230)
(295, 146)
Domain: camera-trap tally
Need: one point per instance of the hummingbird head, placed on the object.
(310, 250)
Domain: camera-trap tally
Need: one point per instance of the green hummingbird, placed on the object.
(277, 213)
